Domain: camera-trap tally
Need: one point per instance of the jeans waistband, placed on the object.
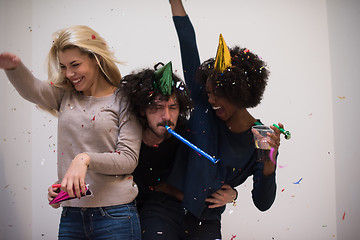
(90, 209)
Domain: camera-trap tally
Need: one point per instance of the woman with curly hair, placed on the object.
(98, 139)
(220, 124)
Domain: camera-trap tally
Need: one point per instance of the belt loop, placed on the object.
(102, 212)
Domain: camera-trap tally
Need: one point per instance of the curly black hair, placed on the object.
(243, 83)
(140, 90)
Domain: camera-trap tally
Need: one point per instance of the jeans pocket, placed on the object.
(116, 212)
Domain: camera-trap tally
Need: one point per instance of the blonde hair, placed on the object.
(89, 42)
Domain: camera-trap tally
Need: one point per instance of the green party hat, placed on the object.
(163, 79)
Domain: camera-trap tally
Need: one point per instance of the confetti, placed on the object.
(343, 216)
(298, 182)
(93, 37)
(271, 154)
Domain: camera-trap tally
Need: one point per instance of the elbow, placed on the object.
(264, 204)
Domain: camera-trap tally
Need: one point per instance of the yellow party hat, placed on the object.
(223, 57)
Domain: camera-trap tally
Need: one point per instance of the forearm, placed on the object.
(125, 157)
(189, 52)
(264, 191)
(33, 89)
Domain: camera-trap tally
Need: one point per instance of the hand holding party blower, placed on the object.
(191, 145)
(64, 196)
(283, 131)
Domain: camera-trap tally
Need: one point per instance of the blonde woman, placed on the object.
(98, 139)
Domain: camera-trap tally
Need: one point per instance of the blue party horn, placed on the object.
(191, 145)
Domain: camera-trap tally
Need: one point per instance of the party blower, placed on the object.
(191, 145)
(64, 196)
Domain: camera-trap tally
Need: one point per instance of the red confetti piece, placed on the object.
(283, 190)
(93, 37)
(51, 83)
(343, 216)
(246, 50)
(93, 118)
(233, 237)
(82, 125)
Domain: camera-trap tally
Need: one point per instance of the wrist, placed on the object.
(234, 197)
(83, 158)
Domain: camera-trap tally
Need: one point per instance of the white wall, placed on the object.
(344, 32)
(15, 129)
(306, 46)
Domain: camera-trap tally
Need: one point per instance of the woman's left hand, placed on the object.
(269, 167)
(74, 179)
(275, 138)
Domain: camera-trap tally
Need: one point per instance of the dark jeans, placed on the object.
(164, 218)
(114, 222)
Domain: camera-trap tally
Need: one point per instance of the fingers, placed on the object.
(221, 197)
(52, 193)
(275, 137)
(74, 179)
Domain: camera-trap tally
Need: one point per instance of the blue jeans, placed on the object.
(111, 223)
(163, 217)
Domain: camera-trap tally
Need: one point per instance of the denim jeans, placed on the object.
(164, 218)
(112, 223)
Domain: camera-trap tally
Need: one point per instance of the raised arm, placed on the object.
(29, 87)
(188, 48)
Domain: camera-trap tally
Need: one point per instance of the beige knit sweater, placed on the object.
(100, 127)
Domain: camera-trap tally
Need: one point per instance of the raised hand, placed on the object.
(9, 61)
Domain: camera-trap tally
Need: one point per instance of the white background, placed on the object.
(312, 49)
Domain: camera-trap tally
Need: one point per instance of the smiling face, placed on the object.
(81, 70)
(223, 108)
(162, 113)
